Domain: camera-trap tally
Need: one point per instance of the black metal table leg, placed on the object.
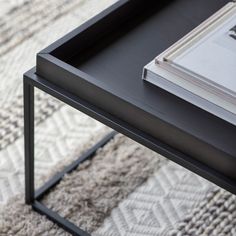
(33, 197)
(29, 141)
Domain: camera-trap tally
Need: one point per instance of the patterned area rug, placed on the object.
(126, 189)
(23, 26)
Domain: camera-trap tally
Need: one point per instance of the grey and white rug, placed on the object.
(126, 189)
(58, 128)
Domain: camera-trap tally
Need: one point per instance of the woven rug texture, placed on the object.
(23, 26)
(126, 189)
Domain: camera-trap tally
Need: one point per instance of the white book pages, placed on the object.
(205, 85)
(187, 91)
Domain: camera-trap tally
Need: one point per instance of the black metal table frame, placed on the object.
(33, 197)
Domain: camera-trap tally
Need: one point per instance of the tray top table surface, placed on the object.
(101, 62)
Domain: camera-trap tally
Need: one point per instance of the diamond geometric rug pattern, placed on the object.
(155, 207)
(58, 134)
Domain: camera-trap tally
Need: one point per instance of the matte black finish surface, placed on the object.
(102, 63)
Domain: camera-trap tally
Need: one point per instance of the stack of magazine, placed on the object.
(201, 67)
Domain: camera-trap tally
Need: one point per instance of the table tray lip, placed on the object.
(90, 79)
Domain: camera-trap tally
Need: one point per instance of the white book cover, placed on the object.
(208, 54)
(201, 67)
(213, 58)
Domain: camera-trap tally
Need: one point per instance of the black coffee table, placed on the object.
(97, 69)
